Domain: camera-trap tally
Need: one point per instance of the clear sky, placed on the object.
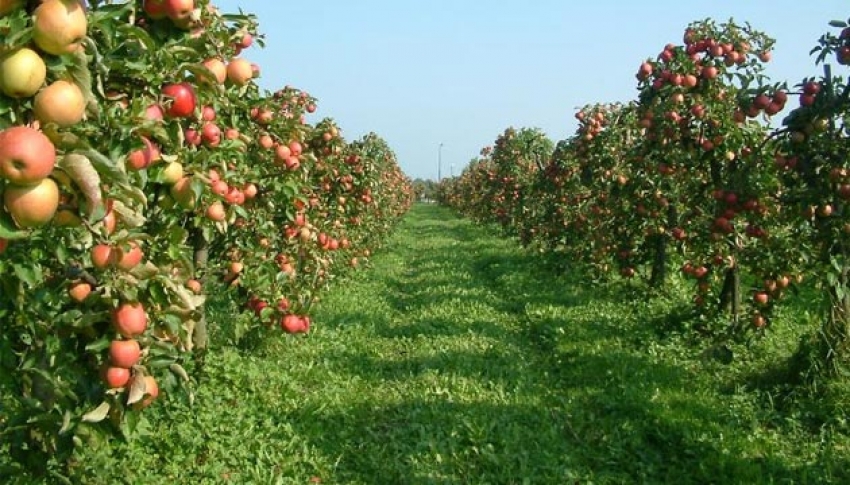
(458, 72)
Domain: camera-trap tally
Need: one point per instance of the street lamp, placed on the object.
(452, 171)
(440, 163)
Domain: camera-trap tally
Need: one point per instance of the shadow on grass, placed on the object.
(588, 412)
(608, 432)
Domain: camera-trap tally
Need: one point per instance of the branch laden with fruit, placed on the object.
(142, 169)
(691, 173)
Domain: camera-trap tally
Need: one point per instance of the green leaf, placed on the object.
(145, 271)
(110, 171)
(837, 23)
(134, 193)
(130, 217)
(8, 229)
(29, 275)
(21, 32)
(98, 345)
(79, 72)
(840, 292)
(240, 211)
(159, 362)
(66, 423)
(132, 425)
(63, 140)
(138, 388)
(98, 414)
(179, 371)
(81, 170)
(204, 74)
(832, 280)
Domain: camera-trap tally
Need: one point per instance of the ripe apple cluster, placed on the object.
(28, 156)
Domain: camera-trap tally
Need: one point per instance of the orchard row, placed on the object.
(691, 174)
(140, 167)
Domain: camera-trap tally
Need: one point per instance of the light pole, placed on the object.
(440, 163)
(452, 171)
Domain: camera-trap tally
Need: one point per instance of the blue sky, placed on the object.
(460, 72)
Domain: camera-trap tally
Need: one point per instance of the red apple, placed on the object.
(220, 188)
(124, 353)
(178, 10)
(154, 8)
(246, 41)
(709, 72)
(250, 190)
(194, 286)
(292, 324)
(116, 377)
(295, 148)
(259, 306)
(234, 196)
(103, 256)
(26, 155)
(183, 100)
(154, 112)
(265, 116)
(211, 134)
(761, 298)
(32, 205)
(266, 141)
(129, 257)
(216, 212)
(192, 137)
(79, 291)
(143, 157)
(130, 319)
(208, 113)
(239, 71)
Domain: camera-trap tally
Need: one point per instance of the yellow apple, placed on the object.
(22, 73)
(59, 26)
(62, 103)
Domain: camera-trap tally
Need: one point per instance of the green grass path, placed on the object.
(456, 359)
(424, 373)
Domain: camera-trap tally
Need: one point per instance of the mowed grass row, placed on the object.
(458, 358)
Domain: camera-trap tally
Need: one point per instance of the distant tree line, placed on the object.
(425, 190)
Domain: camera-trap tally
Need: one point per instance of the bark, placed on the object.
(836, 327)
(200, 336)
(730, 295)
(660, 262)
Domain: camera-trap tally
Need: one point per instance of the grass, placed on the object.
(458, 358)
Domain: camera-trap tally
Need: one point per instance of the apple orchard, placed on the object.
(691, 176)
(141, 169)
(146, 179)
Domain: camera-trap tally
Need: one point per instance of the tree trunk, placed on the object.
(730, 295)
(200, 337)
(659, 262)
(661, 259)
(836, 326)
